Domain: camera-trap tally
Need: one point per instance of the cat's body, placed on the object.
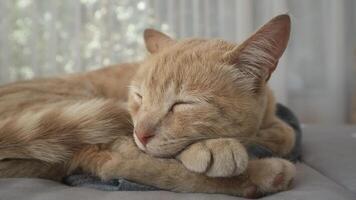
(202, 123)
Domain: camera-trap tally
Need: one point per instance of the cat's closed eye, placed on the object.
(138, 97)
(180, 104)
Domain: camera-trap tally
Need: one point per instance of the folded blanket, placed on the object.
(121, 184)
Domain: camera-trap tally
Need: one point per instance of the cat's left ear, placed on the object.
(156, 41)
(260, 53)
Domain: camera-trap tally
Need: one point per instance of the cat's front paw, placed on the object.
(215, 157)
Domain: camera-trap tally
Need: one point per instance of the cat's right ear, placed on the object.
(156, 41)
(260, 53)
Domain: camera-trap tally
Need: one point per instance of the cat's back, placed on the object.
(108, 82)
(112, 81)
(32, 94)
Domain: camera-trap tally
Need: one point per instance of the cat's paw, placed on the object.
(215, 157)
(268, 176)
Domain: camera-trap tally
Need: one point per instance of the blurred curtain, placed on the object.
(315, 76)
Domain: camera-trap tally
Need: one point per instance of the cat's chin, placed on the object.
(149, 149)
(158, 154)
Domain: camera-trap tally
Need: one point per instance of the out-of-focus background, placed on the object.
(315, 76)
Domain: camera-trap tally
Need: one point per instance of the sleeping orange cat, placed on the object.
(190, 107)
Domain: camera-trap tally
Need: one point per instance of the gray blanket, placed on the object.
(121, 184)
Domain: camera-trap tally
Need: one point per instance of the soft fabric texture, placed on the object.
(121, 184)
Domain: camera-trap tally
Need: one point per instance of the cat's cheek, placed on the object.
(133, 109)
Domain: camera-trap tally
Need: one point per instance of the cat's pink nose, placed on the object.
(144, 137)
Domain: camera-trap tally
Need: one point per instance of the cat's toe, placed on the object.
(228, 158)
(197, 158)
(252, 192)
(275, 177)
(285, 178)
(227, 164)
(215, 158)
(223, 165)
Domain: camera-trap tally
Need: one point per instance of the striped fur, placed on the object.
(202, 101)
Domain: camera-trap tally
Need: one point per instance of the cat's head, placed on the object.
(196, 89)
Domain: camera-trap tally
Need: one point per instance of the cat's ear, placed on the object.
(156, 41)
(259, 54)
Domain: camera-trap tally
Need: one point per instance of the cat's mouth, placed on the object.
(159, 149)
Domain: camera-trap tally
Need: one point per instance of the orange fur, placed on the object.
(194, 97)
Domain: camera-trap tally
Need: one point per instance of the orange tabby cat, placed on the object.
(192, 106)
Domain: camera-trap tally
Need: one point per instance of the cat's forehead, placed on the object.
(190, 65)
(205, 48)
(189, 55)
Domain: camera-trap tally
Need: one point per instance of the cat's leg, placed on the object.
(222, 157)
(52, 132)
(125, 160)
(276, 136)
(16, 168)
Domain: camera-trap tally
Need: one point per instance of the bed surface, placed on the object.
(328, 171)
